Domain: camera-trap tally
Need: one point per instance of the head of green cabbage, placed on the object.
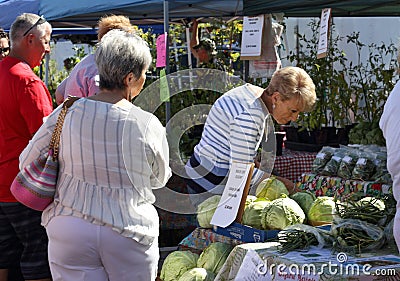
(197, 274)
(281, 213)
(206, 210)
(322, 211)
(177, 263)
(252, 213)
(305, 199)
(271, 188)
(214, 256)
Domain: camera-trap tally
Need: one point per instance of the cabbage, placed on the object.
(281, 213)
(206, 210)
(214, 256)
(305, 199)
(250, 199)
(321, 211)
(271, 188)
(177, 263)
(252, 213)
(197, 274)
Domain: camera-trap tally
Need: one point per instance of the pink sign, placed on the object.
(161, 51)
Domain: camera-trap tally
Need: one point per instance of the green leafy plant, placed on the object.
(348, 92)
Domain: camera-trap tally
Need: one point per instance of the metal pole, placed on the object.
(166, 31)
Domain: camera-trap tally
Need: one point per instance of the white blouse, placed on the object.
(111, 157)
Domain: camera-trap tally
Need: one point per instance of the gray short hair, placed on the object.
(23, 23)
(118, 54)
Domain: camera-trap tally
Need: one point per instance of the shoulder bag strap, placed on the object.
(55, 137)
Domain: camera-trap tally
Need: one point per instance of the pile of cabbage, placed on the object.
(274, 208)
(188, 266)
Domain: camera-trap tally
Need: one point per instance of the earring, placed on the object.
(273, 106)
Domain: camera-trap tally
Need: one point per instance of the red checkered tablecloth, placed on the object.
(292, 164)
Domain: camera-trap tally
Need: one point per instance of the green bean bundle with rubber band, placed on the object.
(294, 239)
(369, 209)
(356, 236)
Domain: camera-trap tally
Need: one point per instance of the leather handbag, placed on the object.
(35, 185)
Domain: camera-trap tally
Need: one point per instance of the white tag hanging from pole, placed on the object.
(252, 36)
(324, 33)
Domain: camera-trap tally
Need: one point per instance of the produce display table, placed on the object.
(262, 261)
(339, 187)
(292, 164)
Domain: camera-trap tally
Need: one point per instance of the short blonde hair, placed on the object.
(292, 82)
(111, 22)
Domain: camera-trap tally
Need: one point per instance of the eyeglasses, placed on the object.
(40, 20)
(4, 50)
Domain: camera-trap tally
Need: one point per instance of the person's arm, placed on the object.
(60, 92)
(194, 40)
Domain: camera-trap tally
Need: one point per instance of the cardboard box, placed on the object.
(249, 234)
(246, 233)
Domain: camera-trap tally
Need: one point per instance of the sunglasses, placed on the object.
(40, 20)
(4, 50)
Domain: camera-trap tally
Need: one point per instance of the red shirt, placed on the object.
(24, 101)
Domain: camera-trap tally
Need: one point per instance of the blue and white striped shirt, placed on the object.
(233, 132)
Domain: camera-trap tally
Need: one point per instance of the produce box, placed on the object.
(246, 233)
(249, 234)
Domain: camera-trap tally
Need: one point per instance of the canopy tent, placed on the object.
(86, 13)
(312, 8)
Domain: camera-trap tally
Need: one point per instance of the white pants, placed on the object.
(396, 227)
(82, 251)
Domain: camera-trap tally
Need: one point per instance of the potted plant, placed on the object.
(346, 92)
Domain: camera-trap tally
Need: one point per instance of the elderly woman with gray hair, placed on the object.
(102, 224)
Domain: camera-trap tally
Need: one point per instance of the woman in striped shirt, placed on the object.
(102, 224)
(235, 126)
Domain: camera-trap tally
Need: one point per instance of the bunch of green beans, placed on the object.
(294, 239)
(365, 211)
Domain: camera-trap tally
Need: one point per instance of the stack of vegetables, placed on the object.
(363, 224)
(188, 266)
(367, 133)
(356, 224)
(273, 209)
(364, 162)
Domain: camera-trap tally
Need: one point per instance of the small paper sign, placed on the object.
(324, 33)
(161, 50)
(252, 36)
(231, 198)
(253, 268)
(164, 88)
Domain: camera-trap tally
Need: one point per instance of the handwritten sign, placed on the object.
(253, 268)
(161, 50)
(324, 33)
(252, 36)
(231, 198)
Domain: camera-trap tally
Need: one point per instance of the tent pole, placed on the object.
(166, 32)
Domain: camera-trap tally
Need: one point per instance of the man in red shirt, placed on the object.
(24, 102)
